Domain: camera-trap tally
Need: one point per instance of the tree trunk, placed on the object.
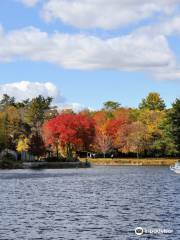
(57, 152)
(69, 152)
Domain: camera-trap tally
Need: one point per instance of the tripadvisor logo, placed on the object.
(139, 231)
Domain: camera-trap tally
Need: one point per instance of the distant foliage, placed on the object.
(153, 102)
(35, 126)
(21, 122)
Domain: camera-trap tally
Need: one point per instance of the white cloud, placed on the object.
(24, 89)
(107, 14)
(76, 107)
(168, 75)
(29, 3)
(168, 27)
(133, 52)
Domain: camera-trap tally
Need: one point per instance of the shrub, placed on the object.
(8, 161)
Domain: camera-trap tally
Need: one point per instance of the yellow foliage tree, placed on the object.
(23, 145)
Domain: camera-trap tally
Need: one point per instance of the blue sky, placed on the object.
(89, 58)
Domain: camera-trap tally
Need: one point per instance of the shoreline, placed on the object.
(88, 163)
(48, 165)
(131, 161)
(55, 165)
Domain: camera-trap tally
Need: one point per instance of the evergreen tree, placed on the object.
(111, 105)
(36, 111)
(152, 102)
(174, 118)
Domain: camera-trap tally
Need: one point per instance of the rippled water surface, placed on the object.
(97, 203)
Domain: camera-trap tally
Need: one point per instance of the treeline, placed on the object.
(21, 124)
(36, 127)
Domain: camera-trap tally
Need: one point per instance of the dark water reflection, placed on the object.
(98, 203)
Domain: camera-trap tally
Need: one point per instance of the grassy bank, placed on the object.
(132, 161)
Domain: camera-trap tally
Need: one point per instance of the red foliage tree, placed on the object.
(70, 131)
(117, 126)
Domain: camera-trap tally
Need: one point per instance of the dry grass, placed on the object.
(132, 161)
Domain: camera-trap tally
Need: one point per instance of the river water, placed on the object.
(89, 204)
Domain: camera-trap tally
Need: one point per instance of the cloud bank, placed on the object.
(145, 49)
(138, 51)
(25, 89)
(106, 14)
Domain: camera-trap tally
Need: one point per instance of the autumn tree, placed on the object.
(152, 102)
(152, 120)
(116, 126)
(9, 122)
(150, 130)
(103, 141)
(121, 142)
(136, 141)
(73, 132)
(22, 146)
(10, 126)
